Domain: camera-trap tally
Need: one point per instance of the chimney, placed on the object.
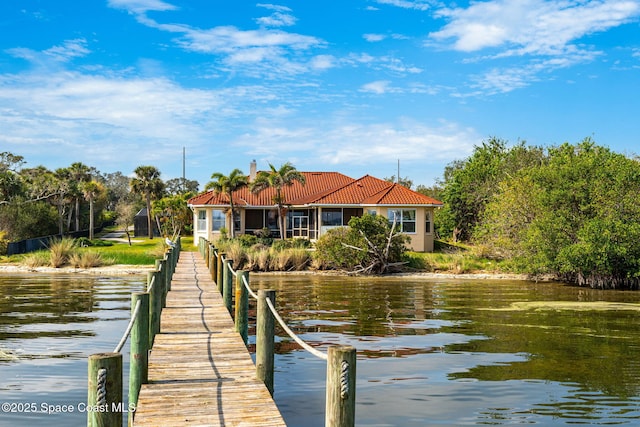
(252, 170)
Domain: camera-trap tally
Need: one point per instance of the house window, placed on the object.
(202, 220)
(427, 225)
(349, 213)
(254, 219)
(236, 221)
(271, 219)
(405, 219)
(332, 217)
(217, 219)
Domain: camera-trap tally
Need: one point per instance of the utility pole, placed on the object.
(184, 179)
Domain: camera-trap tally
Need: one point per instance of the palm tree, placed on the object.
(223, 184)
(92, 190)
(278, 179)
(77, 174)
(147, 182)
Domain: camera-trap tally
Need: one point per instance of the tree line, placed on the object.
(570, 210)
(38, 202)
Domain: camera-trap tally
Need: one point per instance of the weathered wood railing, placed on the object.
(105, 404)
(341, 360)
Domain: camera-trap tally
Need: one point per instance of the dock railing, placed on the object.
(341, 360)
(105, 404)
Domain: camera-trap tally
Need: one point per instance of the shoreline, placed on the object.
(107, 270)
(126, 270)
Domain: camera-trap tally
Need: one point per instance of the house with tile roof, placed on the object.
(326, 200)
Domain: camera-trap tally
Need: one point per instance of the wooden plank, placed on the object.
(200, 372)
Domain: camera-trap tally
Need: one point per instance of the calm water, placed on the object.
(451, 353)
(430, 352)
(49, 325)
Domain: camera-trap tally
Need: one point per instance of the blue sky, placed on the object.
(347, 86)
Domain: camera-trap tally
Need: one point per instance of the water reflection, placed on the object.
(49, 325)
(430, 352)
(462, 352)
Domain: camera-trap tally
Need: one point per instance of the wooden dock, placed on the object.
(200, 371)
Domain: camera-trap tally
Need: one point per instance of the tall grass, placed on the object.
(88, 259)
(60, 250)
(37, 259)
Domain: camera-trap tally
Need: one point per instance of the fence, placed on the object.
(341, 360)
(38, 243)
(105, 404)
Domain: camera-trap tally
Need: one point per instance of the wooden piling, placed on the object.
(213, 263)
(341, 387)
(242, 306)
(219, 271)
(265, 327)
(155, 304)
(104, 397)
(227, 284)
(139, 353)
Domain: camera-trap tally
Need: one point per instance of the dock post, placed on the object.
(104, 397)
(242, 306)
(213, 263)
(265, 326)
(161, 280)
(172, 261)
(341, 386)
(139, 353)
(227, 285)
(219, 271)
(155, 300)
(205, 251)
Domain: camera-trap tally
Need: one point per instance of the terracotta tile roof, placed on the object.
(369, 190)
(325, 188)
(315, 183)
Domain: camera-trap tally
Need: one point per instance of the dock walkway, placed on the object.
(200, 371)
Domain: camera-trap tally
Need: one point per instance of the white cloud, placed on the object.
(378, 87)
(415, 142)
(277, 8)
(374, 37)
(231, 39)
(409, 4)
(344, 145)
(323, 62)
(62, 53)
(279, 18)
(141, 6)
(110, 117)
(531, 26)
(263, 52)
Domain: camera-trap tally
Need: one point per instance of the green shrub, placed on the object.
(4, 243)
(247, 240)
(366, 246)
(331, 252)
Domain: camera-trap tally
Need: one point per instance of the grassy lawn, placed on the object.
(143, 251)
(457, 259)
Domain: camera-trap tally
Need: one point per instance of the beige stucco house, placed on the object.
(327, 200)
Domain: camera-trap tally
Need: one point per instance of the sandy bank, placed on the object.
(125, 270)
(109, 270)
